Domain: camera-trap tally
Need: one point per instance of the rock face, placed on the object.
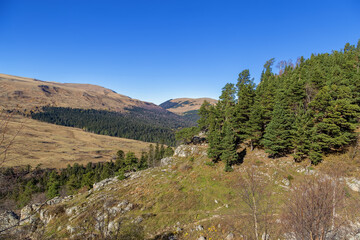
(189, 150)
(100, 185)
(166, 161)
(353, 184)
(8, 219)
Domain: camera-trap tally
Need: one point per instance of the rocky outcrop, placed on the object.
(166, 161)
(8, 219)
(100, 185)
(353, 184)
(189, 150)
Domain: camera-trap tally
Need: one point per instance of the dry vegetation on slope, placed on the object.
(26, 93)
(183, 105)
(56, 146)
(190, 199)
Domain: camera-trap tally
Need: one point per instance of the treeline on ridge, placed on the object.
(309, 109)
(137, 123)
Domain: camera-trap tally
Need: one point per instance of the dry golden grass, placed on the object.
(192, 104)
(56, 146)
(26, 94)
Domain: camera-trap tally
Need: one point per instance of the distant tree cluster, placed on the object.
(24, 183)
(307, 110)
(138, 123)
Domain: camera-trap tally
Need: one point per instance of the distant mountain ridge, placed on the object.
(27, 93)
(181, 106)
(92, 108)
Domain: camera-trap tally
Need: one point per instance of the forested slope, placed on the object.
(308, 109)
(136, 123)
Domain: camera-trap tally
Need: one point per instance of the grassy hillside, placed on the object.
(122, 116)
(190, 199)
(56, 146)
(28, 94)
(182, 106)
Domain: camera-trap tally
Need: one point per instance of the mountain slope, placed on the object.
(90, 107)
(182, 105)
(183, 200)
(55, 146)
(26, 93)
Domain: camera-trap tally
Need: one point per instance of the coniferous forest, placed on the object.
(309, 109)
(137, 123)
(24, 184)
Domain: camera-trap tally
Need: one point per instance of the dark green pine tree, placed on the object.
(169, 151)
(120, 157)
(157, 152)
(143, 161)
(261, 111)
(334, 119)
(245, 101)
(255, 125)
(215, 135)
(162, 151)
(53, 185)
(107, 171)
(222, 112)
(277, 137)
(151, 156)
(131, 161)
(228, 145)
(301, 135)
(204, 113)
(226, 102)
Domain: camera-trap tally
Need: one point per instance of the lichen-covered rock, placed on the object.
(166, 161)
(138, 220)
(113, 226)
(100, 185)
(199, 228)
(45, 216)
(189, 150)
(8, 219)
(55, 200)
(230, 236)
(123, 204)
(129, 207)
(71, 211)
(353, 184)
(70, 229)
(28, 213)
(285, 182)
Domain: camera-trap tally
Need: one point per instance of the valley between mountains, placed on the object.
(275, 160)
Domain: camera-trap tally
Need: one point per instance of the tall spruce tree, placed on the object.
(204, 113)
(245, 101)
(277, 137)
(228, 145)
(223, 112)
(334, 119)
(301, 135)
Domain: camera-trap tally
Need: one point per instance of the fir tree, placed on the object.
(204, 113)
(228, 155)
(301, 135)
(143, 161)
(277, 137)
(245, 101)
(334, 118)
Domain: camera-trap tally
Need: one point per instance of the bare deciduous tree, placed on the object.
(258, 201)
(312, 210)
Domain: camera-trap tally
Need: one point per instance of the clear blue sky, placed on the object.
(155, 50)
